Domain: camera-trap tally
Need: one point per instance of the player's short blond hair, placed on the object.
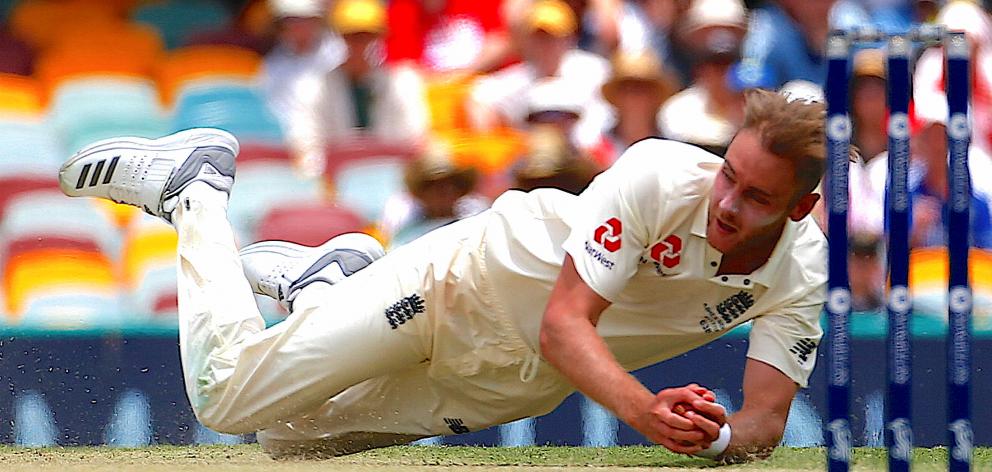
(793, 130)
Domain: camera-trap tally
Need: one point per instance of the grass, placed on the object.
(250, 458)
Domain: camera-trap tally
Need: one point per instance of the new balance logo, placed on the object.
(456, 425)
(95, 178)
(803, 349)
(403, 310)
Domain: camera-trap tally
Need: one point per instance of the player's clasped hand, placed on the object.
(684, 419)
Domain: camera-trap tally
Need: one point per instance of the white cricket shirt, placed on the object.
(638, 238)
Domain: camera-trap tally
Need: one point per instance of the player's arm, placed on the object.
(569, 341)
(759, 425)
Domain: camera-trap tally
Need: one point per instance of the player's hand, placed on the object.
(704, 412)
(660, 424)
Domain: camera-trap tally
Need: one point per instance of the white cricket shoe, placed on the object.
(150, 173)
(280, 269)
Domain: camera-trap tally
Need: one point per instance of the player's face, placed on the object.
(753, 196)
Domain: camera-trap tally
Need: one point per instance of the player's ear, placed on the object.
(804, 206)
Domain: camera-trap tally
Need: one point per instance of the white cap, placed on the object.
(704, 13)
(554, 94)
(298, 8)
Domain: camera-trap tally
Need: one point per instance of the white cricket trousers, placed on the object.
(415, 345)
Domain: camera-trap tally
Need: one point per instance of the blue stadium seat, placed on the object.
(179, 20)
(262, 187)
(28, 148)
(71, 310)
(236, 108)
(365, 185)
(91, 109)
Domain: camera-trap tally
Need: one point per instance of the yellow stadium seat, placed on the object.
(205, 62)
(52, 269)
(147, 247)
(928, 278)
(19, 94)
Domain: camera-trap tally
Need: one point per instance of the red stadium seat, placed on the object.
(255, 152)
(309, 224)
(12, 186)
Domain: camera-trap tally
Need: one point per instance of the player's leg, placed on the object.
(240, 376)
(391, 410)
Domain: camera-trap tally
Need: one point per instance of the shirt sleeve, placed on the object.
(609, 232)
(787, 338)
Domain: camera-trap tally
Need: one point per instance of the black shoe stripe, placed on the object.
(82, 176)
(96, 173)
(110, 170)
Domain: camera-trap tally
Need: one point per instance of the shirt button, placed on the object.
(712, 263)
(747, 281)
(724, 278)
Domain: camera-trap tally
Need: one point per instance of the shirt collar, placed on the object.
(765, 274)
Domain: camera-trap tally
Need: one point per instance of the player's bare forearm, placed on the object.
(755, 435)
(574, 348)
(759, 425)
(569, 342)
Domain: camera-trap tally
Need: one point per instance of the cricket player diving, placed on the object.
(502, 315)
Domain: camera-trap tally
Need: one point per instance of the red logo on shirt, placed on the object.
(608, 235)
(668, 251)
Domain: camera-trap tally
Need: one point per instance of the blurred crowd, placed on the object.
(396, 117)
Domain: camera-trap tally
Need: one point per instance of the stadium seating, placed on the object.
(210, 62)
(63, 217)
(59, 65)
(239, 109)
(262, 187)
(28, 148)
(86, 110)
(154, 299)
(38, 22)
(177, 20)
(14, 186)
(61, 287)
(309, 224)
(928, 280)
(262, 153)
(16, 56)
(20, 95)
(363, 172)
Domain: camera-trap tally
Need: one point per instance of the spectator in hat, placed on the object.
(636, 91)
(305, 51)
(650, 25)
(361, 96)
(554, 101)
(447, 36)
(551, 161)
(549, 52)
(598, 27)
(439, 190)
(869, 103)
(710, 111)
